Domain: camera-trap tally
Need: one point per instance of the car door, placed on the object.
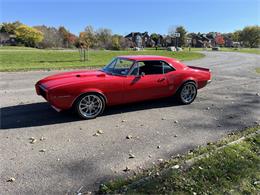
(145, 81)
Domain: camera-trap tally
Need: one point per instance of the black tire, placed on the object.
(187, 98)
(87, 103)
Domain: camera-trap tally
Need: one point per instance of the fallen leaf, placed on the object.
(160, 160)
(100, 132)
(32, 140)
(96, 134)
(42, 138)
(129, 137)
(11, 179)
(131, 155)
(126, 169)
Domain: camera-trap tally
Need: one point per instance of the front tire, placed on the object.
(89, 106)
(187, 93)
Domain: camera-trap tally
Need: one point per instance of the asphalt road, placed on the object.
(74, 158)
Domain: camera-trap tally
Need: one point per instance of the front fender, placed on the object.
(90, 90)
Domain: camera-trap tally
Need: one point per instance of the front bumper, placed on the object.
(42, 91)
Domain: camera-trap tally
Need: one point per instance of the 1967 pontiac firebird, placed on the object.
(125, 79)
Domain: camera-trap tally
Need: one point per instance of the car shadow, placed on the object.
(39, 114)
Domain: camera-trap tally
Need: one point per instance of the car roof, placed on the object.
(146, 57)
(177, 64)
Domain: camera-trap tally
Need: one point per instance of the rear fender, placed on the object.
(188, 79)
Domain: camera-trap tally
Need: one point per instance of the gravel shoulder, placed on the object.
(73, 157)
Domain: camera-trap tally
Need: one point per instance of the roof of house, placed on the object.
(132, 34)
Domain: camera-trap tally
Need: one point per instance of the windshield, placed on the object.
(118, 66)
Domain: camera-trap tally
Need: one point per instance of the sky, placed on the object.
(126, 16)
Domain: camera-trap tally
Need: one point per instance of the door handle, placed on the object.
(161, 79)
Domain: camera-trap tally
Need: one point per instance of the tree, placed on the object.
(250, 36)
(182, 38)
(155, 37)
(64, 33)
(104, 36)
(87, 39)
(10, 28)
(51, 37)
(236, 36)
(28, 35)
(116, 42)
(72, 39)
(182, 31)
(219, 39)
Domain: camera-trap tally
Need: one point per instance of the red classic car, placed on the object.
(125, 79)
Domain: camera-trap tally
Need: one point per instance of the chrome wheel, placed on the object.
(188, 93)
(90, 106)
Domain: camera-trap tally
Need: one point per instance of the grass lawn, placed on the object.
(20, 58)
(233, 169)
(257, 70)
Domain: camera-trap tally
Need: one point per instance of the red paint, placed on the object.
(61, 90)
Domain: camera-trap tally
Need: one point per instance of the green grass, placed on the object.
(20, 58)
(257, 70)
(234, 169)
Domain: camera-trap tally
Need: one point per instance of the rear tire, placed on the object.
(89, 106)
(187, 93)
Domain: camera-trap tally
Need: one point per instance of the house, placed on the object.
(228, 42)
(200, 40)
(139, 39)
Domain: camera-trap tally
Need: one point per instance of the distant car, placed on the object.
(171, 49)
(125, 79)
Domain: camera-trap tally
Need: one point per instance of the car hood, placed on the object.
(66, 78)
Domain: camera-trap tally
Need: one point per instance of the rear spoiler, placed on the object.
(199, 68)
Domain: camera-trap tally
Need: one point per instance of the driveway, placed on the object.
(69, 156)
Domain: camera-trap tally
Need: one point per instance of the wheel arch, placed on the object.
(190, 79)
(97, 92)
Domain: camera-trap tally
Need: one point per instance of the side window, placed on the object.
(134, 70)
(150, 67)
(167, 68)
